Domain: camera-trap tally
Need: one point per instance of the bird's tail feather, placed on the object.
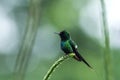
(86, 63)
(80, 58)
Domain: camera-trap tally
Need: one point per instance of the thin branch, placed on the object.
(56, 64)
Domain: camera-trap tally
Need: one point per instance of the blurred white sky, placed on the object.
(8, 32)
(91, 16)
(113, 13)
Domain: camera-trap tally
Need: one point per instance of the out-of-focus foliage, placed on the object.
(55, 15)
(61, 13)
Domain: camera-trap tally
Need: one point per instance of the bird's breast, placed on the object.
(62, 44)
(65, 46)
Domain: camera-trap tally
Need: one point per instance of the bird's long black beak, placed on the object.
(56, 33)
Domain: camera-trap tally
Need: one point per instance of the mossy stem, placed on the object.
(56, 64)
(107, 52)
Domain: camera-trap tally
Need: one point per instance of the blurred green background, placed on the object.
(28, 45)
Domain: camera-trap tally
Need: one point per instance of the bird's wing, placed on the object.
(74, 47)
(78, 56)
(73, 44)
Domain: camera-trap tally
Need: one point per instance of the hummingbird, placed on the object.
(69, 46)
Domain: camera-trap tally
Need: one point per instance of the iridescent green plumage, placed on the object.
(69, 46)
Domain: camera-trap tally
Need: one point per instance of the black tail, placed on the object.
(86, 63)
(80, 58)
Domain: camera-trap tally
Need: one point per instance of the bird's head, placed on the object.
(64, 35)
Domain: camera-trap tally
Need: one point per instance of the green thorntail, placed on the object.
(68, 46)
